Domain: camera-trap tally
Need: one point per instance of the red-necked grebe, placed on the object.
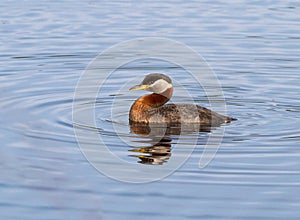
(152, 109)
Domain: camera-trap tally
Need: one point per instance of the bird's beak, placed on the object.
(139, 87)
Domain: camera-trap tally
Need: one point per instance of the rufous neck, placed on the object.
(156, 100)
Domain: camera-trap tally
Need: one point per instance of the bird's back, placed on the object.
(187, 113)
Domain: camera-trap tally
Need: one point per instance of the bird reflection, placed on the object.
(170, 129)
(157, 154)
(160, 139)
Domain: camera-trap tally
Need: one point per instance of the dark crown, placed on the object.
(151, 78)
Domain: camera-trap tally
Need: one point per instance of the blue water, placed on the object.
(253, 48)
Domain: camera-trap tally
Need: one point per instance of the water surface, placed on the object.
(253, 49)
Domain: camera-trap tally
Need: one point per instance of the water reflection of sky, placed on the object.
(252, 47)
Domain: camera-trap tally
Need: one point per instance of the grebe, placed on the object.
(152, 109)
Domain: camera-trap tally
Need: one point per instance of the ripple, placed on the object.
(257, 164)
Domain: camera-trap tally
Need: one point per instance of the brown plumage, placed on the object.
(152, 108)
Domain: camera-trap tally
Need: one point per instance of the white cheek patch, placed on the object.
(159, 86)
